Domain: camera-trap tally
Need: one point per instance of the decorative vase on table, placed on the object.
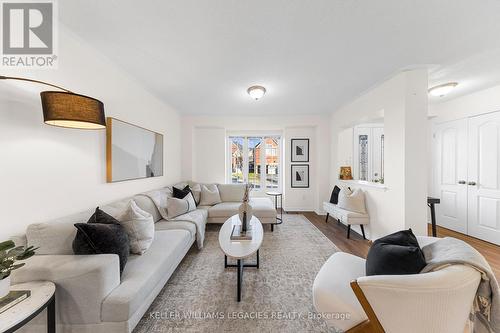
(9, 254)
(245, 210)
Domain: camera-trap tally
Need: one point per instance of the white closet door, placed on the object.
(484, 177)
(451, 174)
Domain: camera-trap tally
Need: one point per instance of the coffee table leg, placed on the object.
(51, 316)
(240, 277)
(257, 259)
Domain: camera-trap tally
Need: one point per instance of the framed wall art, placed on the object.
(132, 152)
(300, 175)
(300, 150)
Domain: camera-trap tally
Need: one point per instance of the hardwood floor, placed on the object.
(337, 233)
(490, 251)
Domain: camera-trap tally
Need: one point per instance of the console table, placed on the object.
(431, 202)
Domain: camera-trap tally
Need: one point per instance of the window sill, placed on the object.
(364, 183)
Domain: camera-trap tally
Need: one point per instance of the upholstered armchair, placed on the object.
(437, 302)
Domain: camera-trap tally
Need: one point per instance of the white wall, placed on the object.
(402, 101)
(204, 151)
(48, 172)
(480, 102)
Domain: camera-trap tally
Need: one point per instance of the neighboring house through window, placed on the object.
(256, 160)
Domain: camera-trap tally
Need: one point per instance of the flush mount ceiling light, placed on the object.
(67, 109)
(442, 89)
(256, 92)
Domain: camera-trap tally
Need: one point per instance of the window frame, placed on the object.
(263, 159)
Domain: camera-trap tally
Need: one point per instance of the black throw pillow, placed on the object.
(395, 254)
(334, 198)
(102, 234)
(180, 194)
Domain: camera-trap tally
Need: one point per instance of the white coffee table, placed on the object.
(240, 250)
(42, 296)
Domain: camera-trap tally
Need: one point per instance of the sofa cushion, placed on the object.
(261, 207)
(332, 293)
(209, 195)
(146, 204)
(176, 225)
(144, 273)
(231, 192)
(53, 238)
(224, 209)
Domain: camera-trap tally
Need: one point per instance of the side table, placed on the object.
(279, 220)
(42, 296)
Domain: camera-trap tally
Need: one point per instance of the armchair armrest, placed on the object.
(82, 282)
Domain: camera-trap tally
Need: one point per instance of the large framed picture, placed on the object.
(300, 150)
(300, 175)
(132, 152)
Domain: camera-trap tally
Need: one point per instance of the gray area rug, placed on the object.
(201, 294)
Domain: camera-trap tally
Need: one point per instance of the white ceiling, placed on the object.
(312, 55)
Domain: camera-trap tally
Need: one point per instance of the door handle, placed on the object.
(472, 183)
(462, 182)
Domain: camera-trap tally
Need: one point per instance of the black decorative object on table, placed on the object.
(244, 223)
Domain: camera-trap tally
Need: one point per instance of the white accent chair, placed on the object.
(438, 302)
(347, 217)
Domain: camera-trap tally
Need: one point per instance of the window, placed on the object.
(256, 160)
(369, 153)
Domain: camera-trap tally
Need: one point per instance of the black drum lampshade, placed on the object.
(67, 109)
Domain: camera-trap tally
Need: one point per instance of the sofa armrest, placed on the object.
(82, 282)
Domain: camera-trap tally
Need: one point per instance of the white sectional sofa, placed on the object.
(91, 296)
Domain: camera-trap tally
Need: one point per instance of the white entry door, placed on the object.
(451, 174)
(484, 177)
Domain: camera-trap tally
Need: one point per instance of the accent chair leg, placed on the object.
(363, 231)
(348, 231)
(327, 215)
(272, 227)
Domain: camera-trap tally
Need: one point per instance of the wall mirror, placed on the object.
(361, 147)
(132, 152)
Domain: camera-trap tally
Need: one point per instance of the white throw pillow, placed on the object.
(177, 207)
(352, 201)
(140, 227)
(209, 195)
